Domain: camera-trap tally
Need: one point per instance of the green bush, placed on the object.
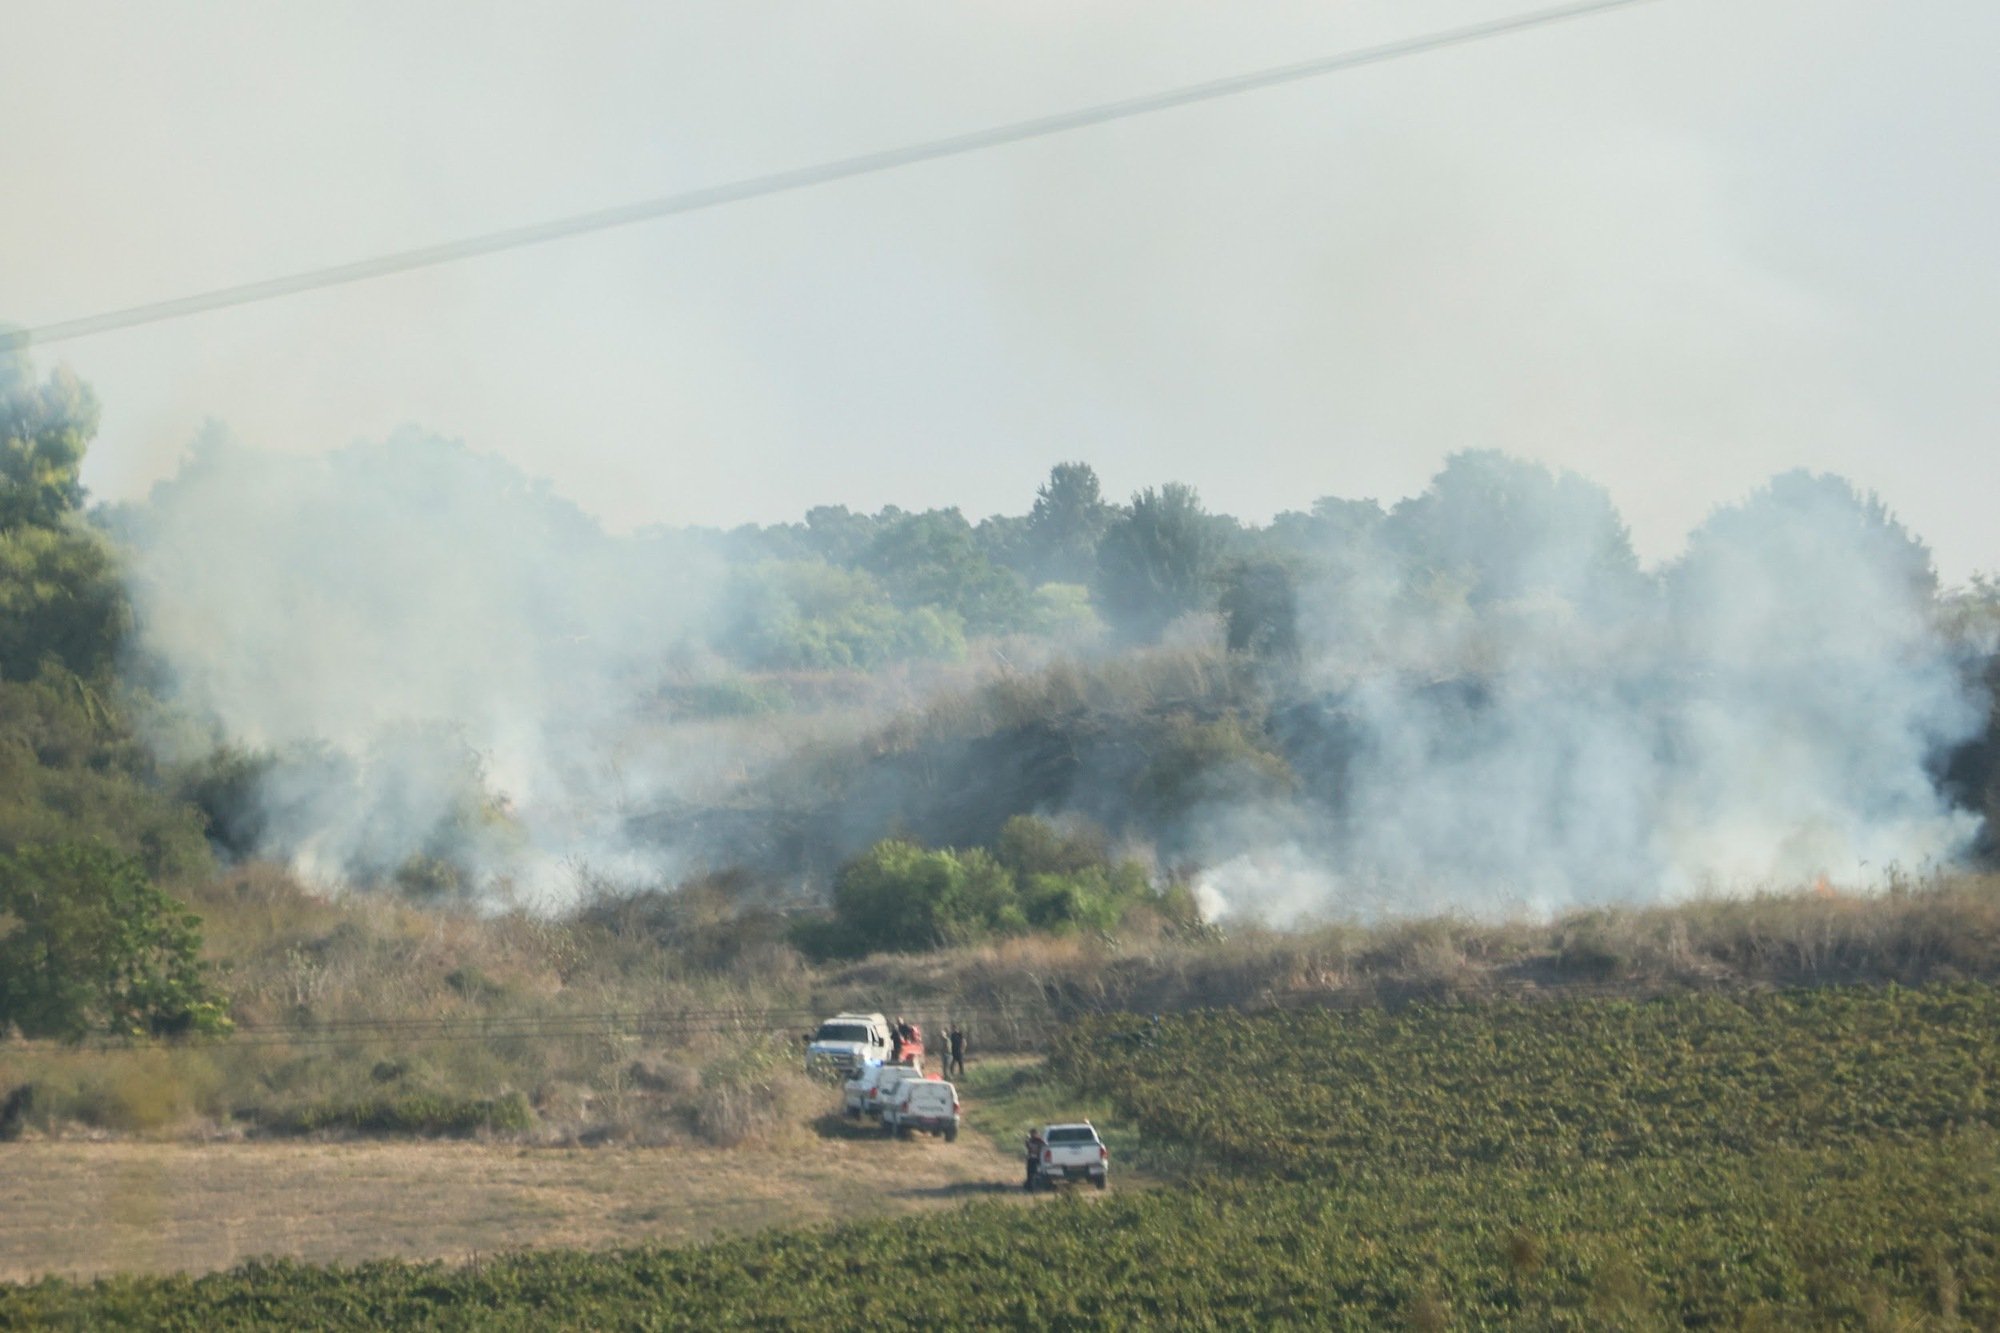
(1093, 898)
(1030, 846)
(899, 897)
(896, 896)
(808, 616)
(419, 1113)
(87, 944)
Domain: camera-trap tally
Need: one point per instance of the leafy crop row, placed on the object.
(1543, 1084)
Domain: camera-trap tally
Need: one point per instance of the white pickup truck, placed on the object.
(867, 1092)
(927, 1104)
(1070, 1152)
(848, 1043)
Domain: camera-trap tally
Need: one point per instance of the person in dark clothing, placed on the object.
(1034, 1148)
(954, 1064)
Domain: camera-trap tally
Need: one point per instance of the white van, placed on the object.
(929, 1104)
(867, 1092)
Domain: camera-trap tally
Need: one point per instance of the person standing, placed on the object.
(954, 1064)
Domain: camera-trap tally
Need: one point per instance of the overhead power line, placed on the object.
(798, 178)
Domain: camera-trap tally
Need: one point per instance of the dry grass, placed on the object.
(85, 1209)
(1941, 929)
(300, 961)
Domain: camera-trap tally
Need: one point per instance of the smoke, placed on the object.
(434, 672)
(433, 658)
(1509, 715)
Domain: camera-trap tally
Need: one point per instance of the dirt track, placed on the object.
(84, 1209)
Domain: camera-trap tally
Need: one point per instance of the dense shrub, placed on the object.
(71, 770)
(418, 1113)
(898, 896)
(91, 945)
(806, 615)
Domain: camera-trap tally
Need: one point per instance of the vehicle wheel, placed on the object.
(902, 1131)
(951, 1135)
(1101, 1182)
(888, 1130)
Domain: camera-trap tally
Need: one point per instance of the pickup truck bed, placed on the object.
(1071, 1152)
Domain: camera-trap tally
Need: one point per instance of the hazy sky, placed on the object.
(1677, 248)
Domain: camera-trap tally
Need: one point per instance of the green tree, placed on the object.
(1805, 567)
(837, 534)
(1260, 609)
(1067, 522)
(1004, 540)
(1504, 529)
(933, 559)
(1063, 611)
(71, 770)
(61, 599)
(1156, 562)
(61, 602)
(44, 430)
(813, 616)
(88, 944)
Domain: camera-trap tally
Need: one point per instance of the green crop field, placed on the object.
(1547, 1084)
(1812, 1160)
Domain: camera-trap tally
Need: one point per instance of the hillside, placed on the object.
(674, 1019)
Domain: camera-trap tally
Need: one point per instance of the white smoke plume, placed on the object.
(1524, 721)
(1497, 709)
(434, 647)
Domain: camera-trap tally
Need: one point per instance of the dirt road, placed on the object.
(84, 1209)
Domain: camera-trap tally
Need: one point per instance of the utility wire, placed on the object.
(478, 1029)
(798, 178)
(1011, 1015)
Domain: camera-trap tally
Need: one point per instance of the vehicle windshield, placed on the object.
(842, 1032)
(1083, 1135)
